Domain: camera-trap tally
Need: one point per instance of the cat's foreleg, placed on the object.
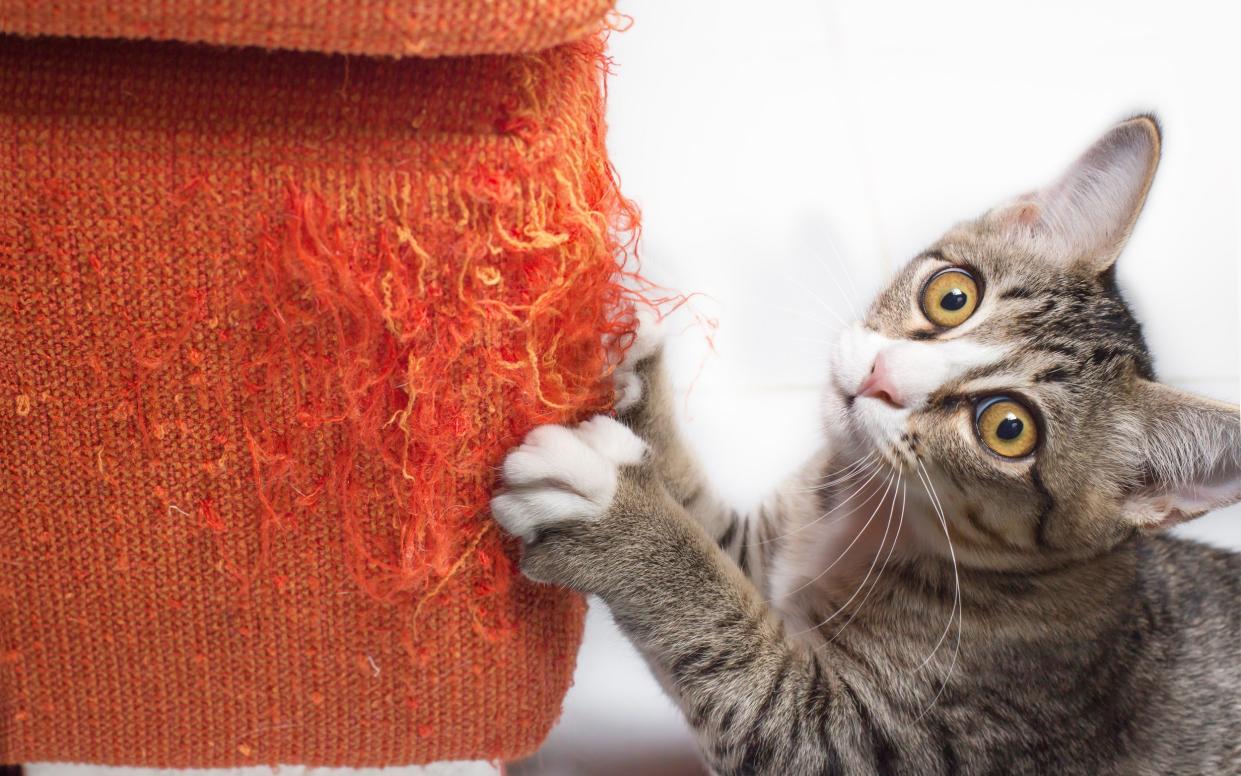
(592, 513)
(645, 403)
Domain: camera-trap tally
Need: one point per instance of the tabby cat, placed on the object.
(974, 575)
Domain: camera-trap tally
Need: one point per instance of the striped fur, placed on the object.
(910, 603)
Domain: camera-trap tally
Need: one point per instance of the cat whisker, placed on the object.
(801, 312)
(842, 415)
(832, 276)
(840, 475)
(844, 265)
(820, 301)
(891, 458)
(929, 488)
(957, 608)
(887, 484)
(862, 585)
(904, 485)
(819, 487)
(823, 305)
(875, 471)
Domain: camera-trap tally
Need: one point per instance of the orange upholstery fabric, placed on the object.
(267, 323)
(377, 27)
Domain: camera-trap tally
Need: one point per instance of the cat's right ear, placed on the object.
(1188, 454)
(1085, 217)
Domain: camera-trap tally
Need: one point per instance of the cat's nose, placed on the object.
(878, 384)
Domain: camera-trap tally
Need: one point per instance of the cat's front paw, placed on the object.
(648, 342)
(562, 475)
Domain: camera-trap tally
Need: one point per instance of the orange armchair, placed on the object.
(268, 318)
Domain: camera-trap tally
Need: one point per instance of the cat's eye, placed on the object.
(1006, 427)
(950, 297)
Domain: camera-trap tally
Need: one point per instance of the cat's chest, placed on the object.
(829, 566)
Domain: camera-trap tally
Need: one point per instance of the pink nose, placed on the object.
(878, 384)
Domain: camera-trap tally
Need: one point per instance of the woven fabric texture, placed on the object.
(268, 321)
(378, 27)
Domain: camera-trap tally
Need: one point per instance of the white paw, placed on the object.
(649, 337)
(562, 474)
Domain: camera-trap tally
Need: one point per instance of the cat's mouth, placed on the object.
(877, 421)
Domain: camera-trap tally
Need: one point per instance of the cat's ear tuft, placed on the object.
(1189, 454)
(1085, 217)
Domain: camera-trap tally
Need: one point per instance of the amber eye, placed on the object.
(950, 297)
(1006, 427)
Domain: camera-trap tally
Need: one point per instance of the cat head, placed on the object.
(1004, 366)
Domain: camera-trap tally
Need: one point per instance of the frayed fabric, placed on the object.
(268, 322)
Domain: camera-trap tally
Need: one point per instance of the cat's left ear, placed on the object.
(1086, 216)
(1189, 454)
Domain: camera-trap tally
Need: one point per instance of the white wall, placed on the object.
(788, 154)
